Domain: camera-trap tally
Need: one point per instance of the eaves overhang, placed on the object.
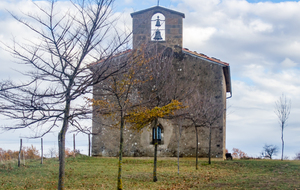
(158, 8)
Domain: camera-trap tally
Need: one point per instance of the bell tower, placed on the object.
(157, 24)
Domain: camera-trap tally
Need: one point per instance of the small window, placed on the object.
(157, 134)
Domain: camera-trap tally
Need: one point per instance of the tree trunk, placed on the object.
(196, 147)
(178, 146)
(42, 153)
(120, 185)
(19, 157)
(209, 146)
(61, 147)
(155, 151)
(282, 142)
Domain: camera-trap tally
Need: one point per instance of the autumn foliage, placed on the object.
(142, 117)
(28, 152)
(8, 154)
(237, 153)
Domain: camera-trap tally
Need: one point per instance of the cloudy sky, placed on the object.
(259, 39)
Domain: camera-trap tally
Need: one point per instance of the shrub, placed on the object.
(237, 153)
(28, 152)
(297, 156)
(31, 152)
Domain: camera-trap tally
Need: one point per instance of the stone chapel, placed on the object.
(165, 26)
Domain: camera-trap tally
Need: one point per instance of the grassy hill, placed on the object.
(85, 172)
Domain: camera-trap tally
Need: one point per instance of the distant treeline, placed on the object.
(28, 153)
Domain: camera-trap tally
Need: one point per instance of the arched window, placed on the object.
(158, 27)
(158, 134)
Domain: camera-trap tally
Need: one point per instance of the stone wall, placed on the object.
(199, 74)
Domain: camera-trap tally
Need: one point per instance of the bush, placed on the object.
(8, 155)
(31, 152)
(28, 152)
(237, 153)
(70, 153)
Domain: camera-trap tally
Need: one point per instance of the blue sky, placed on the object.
(259, 39)
(274, 1)
(139, 5)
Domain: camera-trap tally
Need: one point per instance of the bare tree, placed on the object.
(52, 152)
(59, 74)
(269, 151)
(204, 111)
(297, 157)
(282, 110)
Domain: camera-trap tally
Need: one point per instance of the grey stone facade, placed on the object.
(201, 70)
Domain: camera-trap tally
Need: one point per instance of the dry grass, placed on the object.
(101, 173)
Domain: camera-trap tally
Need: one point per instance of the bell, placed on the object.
(157, 22)
(157, 35)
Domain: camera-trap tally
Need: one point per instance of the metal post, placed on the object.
(42, 153)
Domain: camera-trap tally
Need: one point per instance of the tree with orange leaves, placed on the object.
(237, 153)
(162, 95)
(118, 94)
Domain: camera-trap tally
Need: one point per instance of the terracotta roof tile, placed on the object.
(205, 56)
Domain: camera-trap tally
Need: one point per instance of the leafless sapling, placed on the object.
(205, 111)
(282, 110)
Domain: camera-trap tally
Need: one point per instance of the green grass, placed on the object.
(101, 173)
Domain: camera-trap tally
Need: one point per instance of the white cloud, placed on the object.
(259, 26)
(198, 35)
(128, 1)
(261, 43)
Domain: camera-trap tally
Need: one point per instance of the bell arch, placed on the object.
(158, 27)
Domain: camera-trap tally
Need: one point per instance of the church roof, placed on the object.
(157, 8)
(205, 57)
